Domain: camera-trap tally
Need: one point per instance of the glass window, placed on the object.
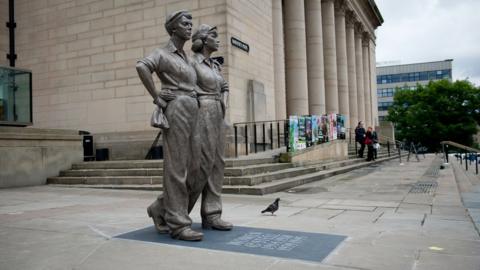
(15, 97)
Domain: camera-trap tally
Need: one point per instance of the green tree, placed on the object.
(441, 110)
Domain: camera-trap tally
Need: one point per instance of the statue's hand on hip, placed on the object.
(167, 95)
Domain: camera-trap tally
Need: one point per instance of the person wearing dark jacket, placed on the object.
(360, 138)
(369, 143)
(375, 144)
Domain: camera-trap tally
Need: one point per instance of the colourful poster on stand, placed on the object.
(314, 129)
(302, 141)
(308, 130)
(333, 126)
(325, 128)
(293, 133)
(319, 129)
(341, 126)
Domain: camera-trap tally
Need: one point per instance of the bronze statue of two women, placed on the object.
(193, 101)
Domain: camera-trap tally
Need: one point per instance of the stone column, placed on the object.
(329, 56)
(278, 60)
(373, 82)
(352, 75)
(342, 65)
(316, 80)
(295, 58)
(366, 79)
(359, 71)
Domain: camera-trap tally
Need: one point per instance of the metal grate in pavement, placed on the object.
(424, 187)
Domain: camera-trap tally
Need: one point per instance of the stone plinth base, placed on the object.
(127, 145)
(386, 130)
(330, 151)
(28, 155)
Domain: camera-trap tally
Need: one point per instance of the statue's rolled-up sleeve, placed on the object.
(152, 61)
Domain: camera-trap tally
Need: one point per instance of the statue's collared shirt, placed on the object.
(174, 69)
(209, 77)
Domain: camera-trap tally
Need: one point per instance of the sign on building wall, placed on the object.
(240, 44)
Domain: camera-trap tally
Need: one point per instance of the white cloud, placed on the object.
(431, 30)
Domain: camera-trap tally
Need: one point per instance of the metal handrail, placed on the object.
(265, 125)
(461, 146)
(259, 122)
(469, 152)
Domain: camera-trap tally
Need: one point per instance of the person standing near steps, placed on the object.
(360, 138)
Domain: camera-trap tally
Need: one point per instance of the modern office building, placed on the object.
(391, 78)
(281, 58)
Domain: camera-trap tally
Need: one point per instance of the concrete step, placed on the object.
(148, 169)
(118, 164)
(248, 160)
(112, 172)
(137, 164)
(287, 183)
(260, 189)
(119, 187)
(256, 169)
(267, 177)
(106, 180)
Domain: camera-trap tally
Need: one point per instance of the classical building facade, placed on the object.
(407, 76)
(281, 58)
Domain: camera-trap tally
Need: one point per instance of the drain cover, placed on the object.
(424, 187)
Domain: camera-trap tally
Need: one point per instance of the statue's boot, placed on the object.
(155, 213)
(188, 235)
(217, 224)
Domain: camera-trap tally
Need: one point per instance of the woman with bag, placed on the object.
(369, 144)
(376, 144)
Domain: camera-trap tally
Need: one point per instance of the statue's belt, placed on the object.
(181, 92)
(210, 96)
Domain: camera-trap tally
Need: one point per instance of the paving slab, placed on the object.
(439, 261)
(386, 225)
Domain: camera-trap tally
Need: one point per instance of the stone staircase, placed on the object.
(247, 175)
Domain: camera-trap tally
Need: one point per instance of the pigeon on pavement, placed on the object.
(272, 207)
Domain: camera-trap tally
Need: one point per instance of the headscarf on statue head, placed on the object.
(173, 18)
(200, 36)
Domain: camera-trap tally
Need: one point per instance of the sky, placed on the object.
(417, 31)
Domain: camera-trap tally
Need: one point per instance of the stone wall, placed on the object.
(386, 132)
(83, 55)
(251, 22)
(28, 156)
(330, 151)
(4, 35)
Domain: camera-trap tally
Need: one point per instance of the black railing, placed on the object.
(399, 146)
(273, 133)
(461, 152)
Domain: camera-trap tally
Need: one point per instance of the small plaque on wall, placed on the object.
(240, 44)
